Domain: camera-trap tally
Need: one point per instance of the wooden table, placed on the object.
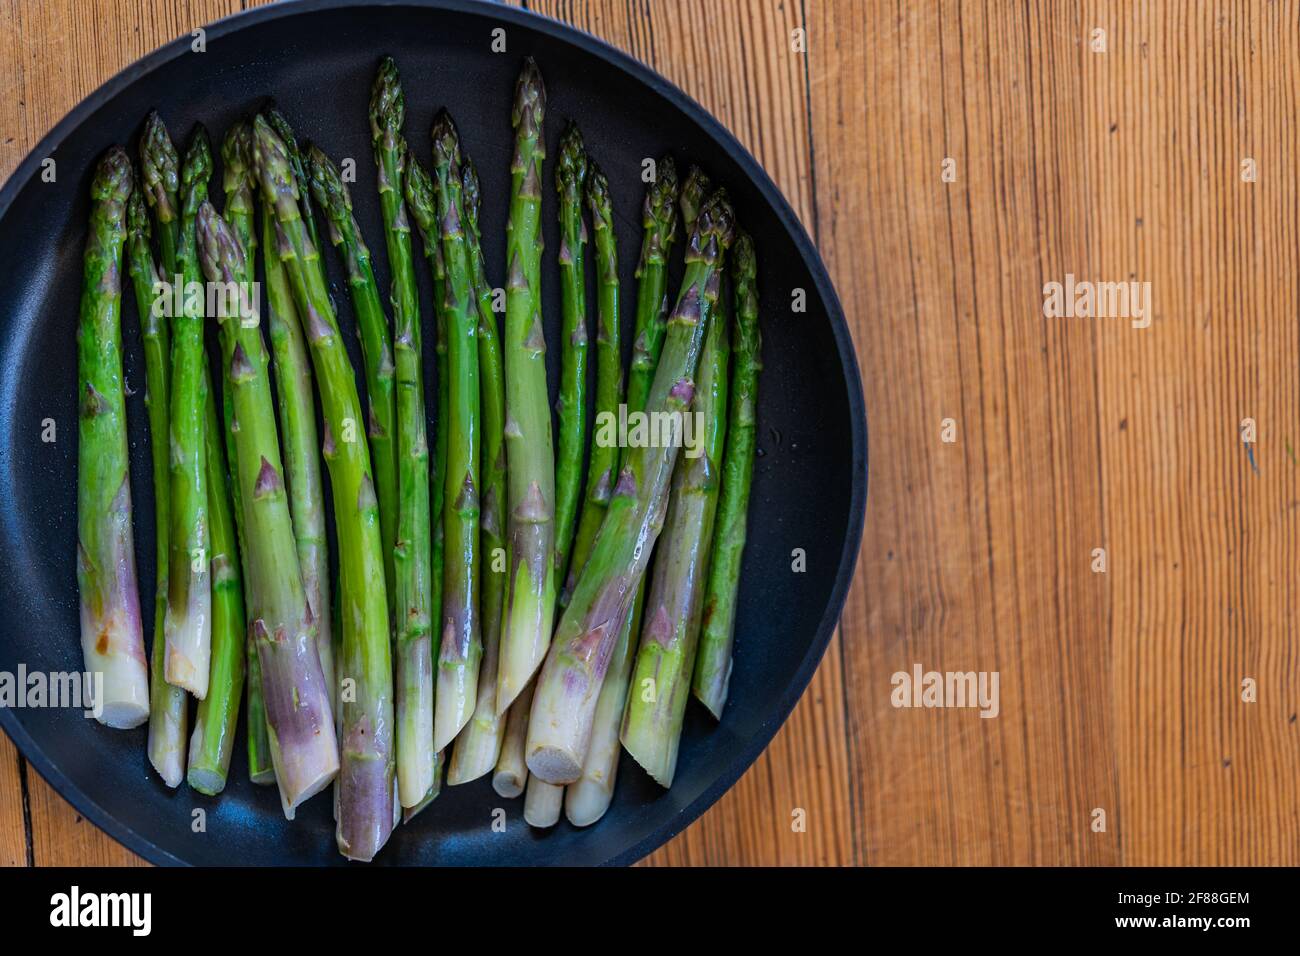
(950, 159)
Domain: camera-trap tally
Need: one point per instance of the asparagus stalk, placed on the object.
(609, 370)
(652, 722)
(570, 178)
(477, 748)
(542, 803)
(300, 440)
(412, 588)
(713, 659)
(168, 713)
(559, 727)
(213, 740)
(386, 111)
(511, 773)
(530, 585)
(366, 791)
(461, 644)
(419, 192)
(112, 638)
(188, 623)
(586, 801)
(335, 202)
(303, 745)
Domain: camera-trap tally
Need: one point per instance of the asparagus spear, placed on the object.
(559, 727)
(609, 370)
(188, 622)
(303, 745)
(586, 801)
(335, 202)
(652, 722)
(168, 713)
(412, 587)
(419, 192)
(112, 638)
(461, 644)
(530, 585)
(479, 744)
(570, 177)
(301, 443)
(213, 740)
(366, 792)
(713, 659)
(511, 773)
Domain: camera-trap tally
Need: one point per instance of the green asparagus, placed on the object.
(299, 436)
(168, 705)
(213, 740)
(188, 622)
(419, 191)
(479, 744)
(665, 658)
(112, 638)
(586, 801)
(366, 792)
(717, 634)
(412, 545)
(530, 564)
(559, 726)
(461, 646)
(609, 372)
(303, 744)
(570, 178)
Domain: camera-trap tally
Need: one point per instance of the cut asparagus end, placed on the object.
(365, 819)
(410, 813)
(416, 755)
(168, 716)
(511, 772)
(527, 630)
(455, 699)
(479, 745)
(542, 804)
(188, 634)
(586, 801)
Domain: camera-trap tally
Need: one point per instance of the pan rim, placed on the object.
(782, 707)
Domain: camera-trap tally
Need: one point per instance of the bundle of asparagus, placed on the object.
(471, 547)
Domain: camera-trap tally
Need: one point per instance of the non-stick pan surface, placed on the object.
(317, 60)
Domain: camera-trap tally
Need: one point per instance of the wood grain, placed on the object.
(13, 826)
(1120, 691)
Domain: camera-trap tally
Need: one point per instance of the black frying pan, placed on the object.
(317, 59)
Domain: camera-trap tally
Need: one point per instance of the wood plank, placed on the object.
(736, 60)
(13, 827)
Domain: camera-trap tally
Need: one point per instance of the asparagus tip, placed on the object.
(571, 164)
(387, 102)
(198, 158)
(530, 97)
(114, 177)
